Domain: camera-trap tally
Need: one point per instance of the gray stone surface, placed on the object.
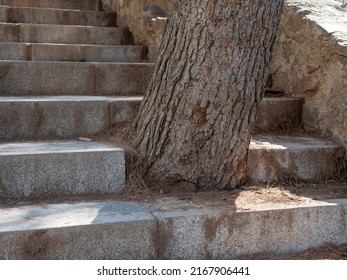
(113, 230)
(228, 234)
(56, 16)
(71, 52)
(273, 158)
(55, 169)
(73, 78)
(92, 5)
(163, 230)
(52, 117)
(63, 34)
(279, 114)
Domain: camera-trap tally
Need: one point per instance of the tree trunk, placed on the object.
(195, 121)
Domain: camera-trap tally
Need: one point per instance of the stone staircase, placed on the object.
(67, 72)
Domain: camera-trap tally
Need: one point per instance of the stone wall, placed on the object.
(146, 19)
(310, 61)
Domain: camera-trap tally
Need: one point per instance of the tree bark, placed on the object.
(196, 118)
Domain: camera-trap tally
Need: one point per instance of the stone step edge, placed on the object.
(163, 230)
(89, 7)
(53, 169)
(56, 9)
(136, 100)
(21, 51)
(57, 16)
(63, 25)
(74, 78)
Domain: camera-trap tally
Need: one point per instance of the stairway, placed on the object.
(67, 72)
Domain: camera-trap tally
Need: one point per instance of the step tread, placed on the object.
(34, 217)
(67, 98)
(68, 45)
(56, 9)
(78, 5)
(290, 143)
(71, 63)
(62, 26)
(54, 147)
(65, 215)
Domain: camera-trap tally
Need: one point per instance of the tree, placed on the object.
(195, 121)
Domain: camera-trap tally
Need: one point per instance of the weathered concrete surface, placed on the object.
(55, 169)
(71, 52)
(92, 5)
(228, 234)
(53, 117)
(273, 158)
(73, 78)
(309, 61)
(78, 231)
(146, 19)
(63, 34)
(33, 118)
(56, 16)
(163, 230)
(279, 114)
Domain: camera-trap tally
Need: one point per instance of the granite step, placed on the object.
(56, 16)
(117, 230)
(73, 78)
(71, 52)
(59, 117)
(278, 158)
(279, 114)
(92, 5)
(62, 34)
(52, 117)
(39, 170)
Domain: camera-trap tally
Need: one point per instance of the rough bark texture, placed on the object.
(195, 121)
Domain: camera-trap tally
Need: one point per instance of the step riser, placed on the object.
(32, 120)
(63, 119)
(310, 165)
(49, 16)
(54, 175)
(279, 114)
(92, 5)
(45, 52)
(62, 78)
(317, 160)
(62, 34)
